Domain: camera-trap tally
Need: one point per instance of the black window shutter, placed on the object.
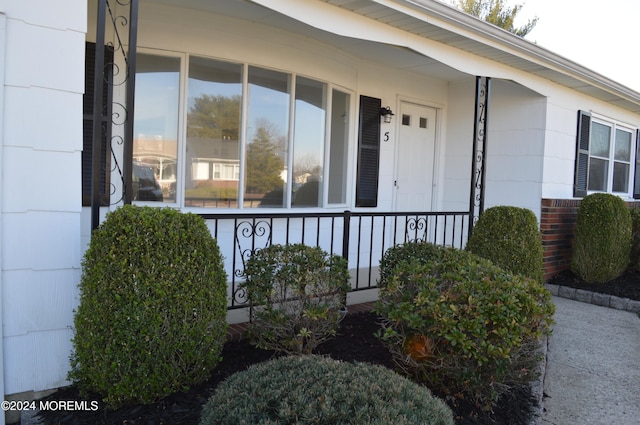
(636, 172)
(87, 125)
(368, 152)
(582, 155)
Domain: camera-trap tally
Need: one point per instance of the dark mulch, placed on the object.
(625, 286)
(355, 342)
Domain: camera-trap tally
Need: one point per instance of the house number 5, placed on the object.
(386, 136)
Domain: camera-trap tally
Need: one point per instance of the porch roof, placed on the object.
(443, 23)
(428, 20)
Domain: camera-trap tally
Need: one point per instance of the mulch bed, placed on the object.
(355, 342)
(625, 286)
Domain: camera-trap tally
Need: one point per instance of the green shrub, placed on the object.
(509, 237)
(460, 323)
(152, 313)
(317, 390)
(634, 256)
(602, 241)
(296, 293)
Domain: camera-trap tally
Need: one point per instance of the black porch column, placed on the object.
(479, 153)
(98, 95)
(112, 18)
(127, 193)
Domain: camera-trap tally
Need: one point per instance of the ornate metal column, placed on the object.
(118, 18)
(479, 153)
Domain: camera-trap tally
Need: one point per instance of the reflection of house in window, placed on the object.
(214, 171)
(160, 155)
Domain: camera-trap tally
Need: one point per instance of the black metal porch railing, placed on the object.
(360, 237)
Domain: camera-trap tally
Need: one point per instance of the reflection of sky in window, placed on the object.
(309, 131)
(156, 107)
(269, 105)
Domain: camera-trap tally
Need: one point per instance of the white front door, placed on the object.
(416, 152)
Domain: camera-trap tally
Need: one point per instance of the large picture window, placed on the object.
(251, 138)
(606, 158)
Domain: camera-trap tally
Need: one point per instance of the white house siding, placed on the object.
(457, 157)
(41, 142)
(515, 146)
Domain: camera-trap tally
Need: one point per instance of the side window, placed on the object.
(87, 125)
(605, 154)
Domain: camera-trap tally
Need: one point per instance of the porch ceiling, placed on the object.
(439, 22)
(384, 54)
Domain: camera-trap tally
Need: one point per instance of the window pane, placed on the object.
(620, 177)
(600, 137)
(155, 144)
(598, 170)
(308, 143)
(213, 133)
(623, 146)
(338, 147)
(268, 123)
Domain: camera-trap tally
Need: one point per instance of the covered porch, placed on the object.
(424, 183)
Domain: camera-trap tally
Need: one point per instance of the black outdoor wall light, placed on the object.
(386, 114)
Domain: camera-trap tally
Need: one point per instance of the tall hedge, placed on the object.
(509, 237)
(152, 313)
(602, 241)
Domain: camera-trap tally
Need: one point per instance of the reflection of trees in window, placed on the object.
(215, 117)
(264, 161)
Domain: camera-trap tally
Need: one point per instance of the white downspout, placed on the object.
(3, 32)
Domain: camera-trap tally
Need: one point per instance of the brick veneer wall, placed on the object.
(557, 225)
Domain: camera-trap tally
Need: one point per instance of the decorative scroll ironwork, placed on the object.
(117, 21)
(479, 155)
(250, 237)
(416, 229)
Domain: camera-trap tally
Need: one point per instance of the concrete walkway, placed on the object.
(593, 366)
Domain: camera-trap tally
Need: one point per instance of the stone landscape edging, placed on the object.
(595, 298)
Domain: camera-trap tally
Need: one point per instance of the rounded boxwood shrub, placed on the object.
(634, 256)
(509, 237)
(318, 390)
(461, 324)
(152, 314)
(296, 293)
(602, 240)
